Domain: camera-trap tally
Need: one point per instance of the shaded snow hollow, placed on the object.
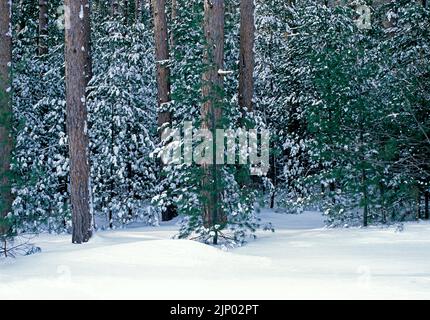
(301, 259)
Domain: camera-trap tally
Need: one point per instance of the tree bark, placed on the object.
(163, 75)
(5, 111)
(247, 60)
(162, 57)
(211, 111)
(76, 56)
(43, 27)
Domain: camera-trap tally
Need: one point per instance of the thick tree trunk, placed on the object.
(5, 111)
(246, 68)
(162, 57)
(211, 111)
(163, 74)
(76, 55)
(247, 60)
(43, 27)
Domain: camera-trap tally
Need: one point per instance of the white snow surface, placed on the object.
(301, 260)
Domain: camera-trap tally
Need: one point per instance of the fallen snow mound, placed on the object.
(302, 259)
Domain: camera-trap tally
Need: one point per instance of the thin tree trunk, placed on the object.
(418, 204)
(332, 189)
(365, 198)
(163, 75)
(272, 200)
(124, 9)
(364, 178)
(426, 205)
(114, 7)
(138, 10)
(76, 55)
(212, 110)
(247, 60)
(273, 177)
(43, 27)
(5, 111)
(383, 204)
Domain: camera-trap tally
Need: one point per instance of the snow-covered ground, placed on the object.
(301, 259)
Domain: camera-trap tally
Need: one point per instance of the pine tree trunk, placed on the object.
(332, 189)
(246, 69)
(114, 7)
(138, 10)
(43, 27)
(211, 110)
(76, 55)
(418, 204)
(124, 10)
(246, 61)
(163, 74)
(365, 198)
(426, 205)
(161, 56)
(5, 111)
(272, 200)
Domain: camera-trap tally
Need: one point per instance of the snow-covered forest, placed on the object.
(159, 128)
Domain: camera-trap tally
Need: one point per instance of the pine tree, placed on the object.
(122, 121)
(182, 185)
(40, 161)
(77, 63)
(211, 112)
